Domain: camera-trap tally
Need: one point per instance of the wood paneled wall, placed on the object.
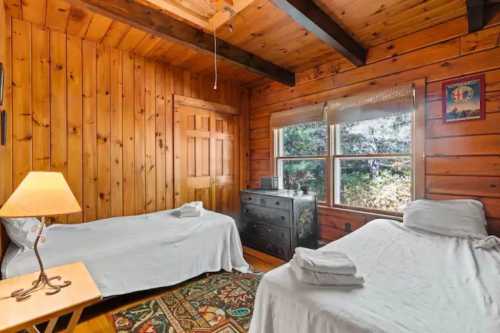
(462, 159)
(101, 116)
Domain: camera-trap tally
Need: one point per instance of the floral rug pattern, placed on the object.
(219, 303)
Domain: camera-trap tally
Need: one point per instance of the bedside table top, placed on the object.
(41, 307)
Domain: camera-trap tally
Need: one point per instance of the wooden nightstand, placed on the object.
(40, 308)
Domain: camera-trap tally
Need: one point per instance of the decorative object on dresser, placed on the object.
(269, 183)
(16, 316)
(40, 194)
(276, 222)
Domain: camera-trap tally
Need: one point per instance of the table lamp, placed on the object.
(41, 194)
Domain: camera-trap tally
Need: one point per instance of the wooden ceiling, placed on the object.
(260, 28)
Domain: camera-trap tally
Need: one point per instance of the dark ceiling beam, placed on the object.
(315, 20)
(164, 26)
(476, 14)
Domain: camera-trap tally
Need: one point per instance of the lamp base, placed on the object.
(43, 280)
(40, 283)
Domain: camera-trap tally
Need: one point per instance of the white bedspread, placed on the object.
(414, 282)
(126, 254)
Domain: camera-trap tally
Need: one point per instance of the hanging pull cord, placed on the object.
(215, 59)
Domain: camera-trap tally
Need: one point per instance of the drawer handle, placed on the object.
(246, 211)
(282, 218)
(249, 198)
(277, 203)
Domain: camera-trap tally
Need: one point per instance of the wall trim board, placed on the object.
(198, 103)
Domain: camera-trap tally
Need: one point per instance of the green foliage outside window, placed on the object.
(310, 173)
(375, 182)
(309, 139)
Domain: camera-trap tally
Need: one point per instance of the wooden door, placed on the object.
(206, 151)
(192, 151)
(224, 161)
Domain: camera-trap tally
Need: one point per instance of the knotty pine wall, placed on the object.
(101, 116)
(462, 159)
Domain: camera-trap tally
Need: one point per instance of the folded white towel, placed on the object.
(324, 279)
(324, 261)
(191, 209)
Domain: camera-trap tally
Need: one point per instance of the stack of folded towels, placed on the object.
(191, 209)
(324, 267)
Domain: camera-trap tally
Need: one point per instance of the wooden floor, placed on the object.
(99, 323)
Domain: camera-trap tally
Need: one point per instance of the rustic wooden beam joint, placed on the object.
(164, 26)
(476, 14)
(315, 20)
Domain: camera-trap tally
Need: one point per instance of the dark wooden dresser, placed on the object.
(276, 222)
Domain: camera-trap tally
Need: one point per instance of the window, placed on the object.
(370, 161)
(302, 154)
(373, 163)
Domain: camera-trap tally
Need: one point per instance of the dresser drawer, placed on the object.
(271, 239)
(268, 201)
(253, 213)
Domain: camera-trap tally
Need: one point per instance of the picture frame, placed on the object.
(463, 99)
(2, 75)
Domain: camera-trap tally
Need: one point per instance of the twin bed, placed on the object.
(133, 253)
(415, 281)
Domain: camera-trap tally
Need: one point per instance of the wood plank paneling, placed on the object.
(116, 135)
(169, 137)
(436, 128)
(57, 14)
(161, 149)
(89, 55)
(464, 145)
(464, 165)
(150, 131)
(58, 107)
(32, 10)
(41, 98)
(75, 121)
(464, 185)
(128, 135)
(140, 137)
(100, 115)
(103, 132)
(21, 101)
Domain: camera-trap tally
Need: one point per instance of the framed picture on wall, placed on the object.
(1, 83)
(463, 99)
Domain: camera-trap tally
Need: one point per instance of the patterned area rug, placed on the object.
(220, 303)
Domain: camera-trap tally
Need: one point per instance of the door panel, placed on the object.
(224, 135)
(205, 158)
(192, 156)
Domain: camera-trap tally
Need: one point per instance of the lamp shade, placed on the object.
(41, 194)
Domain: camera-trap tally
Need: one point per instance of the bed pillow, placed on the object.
(23, 231)
(462, 218)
